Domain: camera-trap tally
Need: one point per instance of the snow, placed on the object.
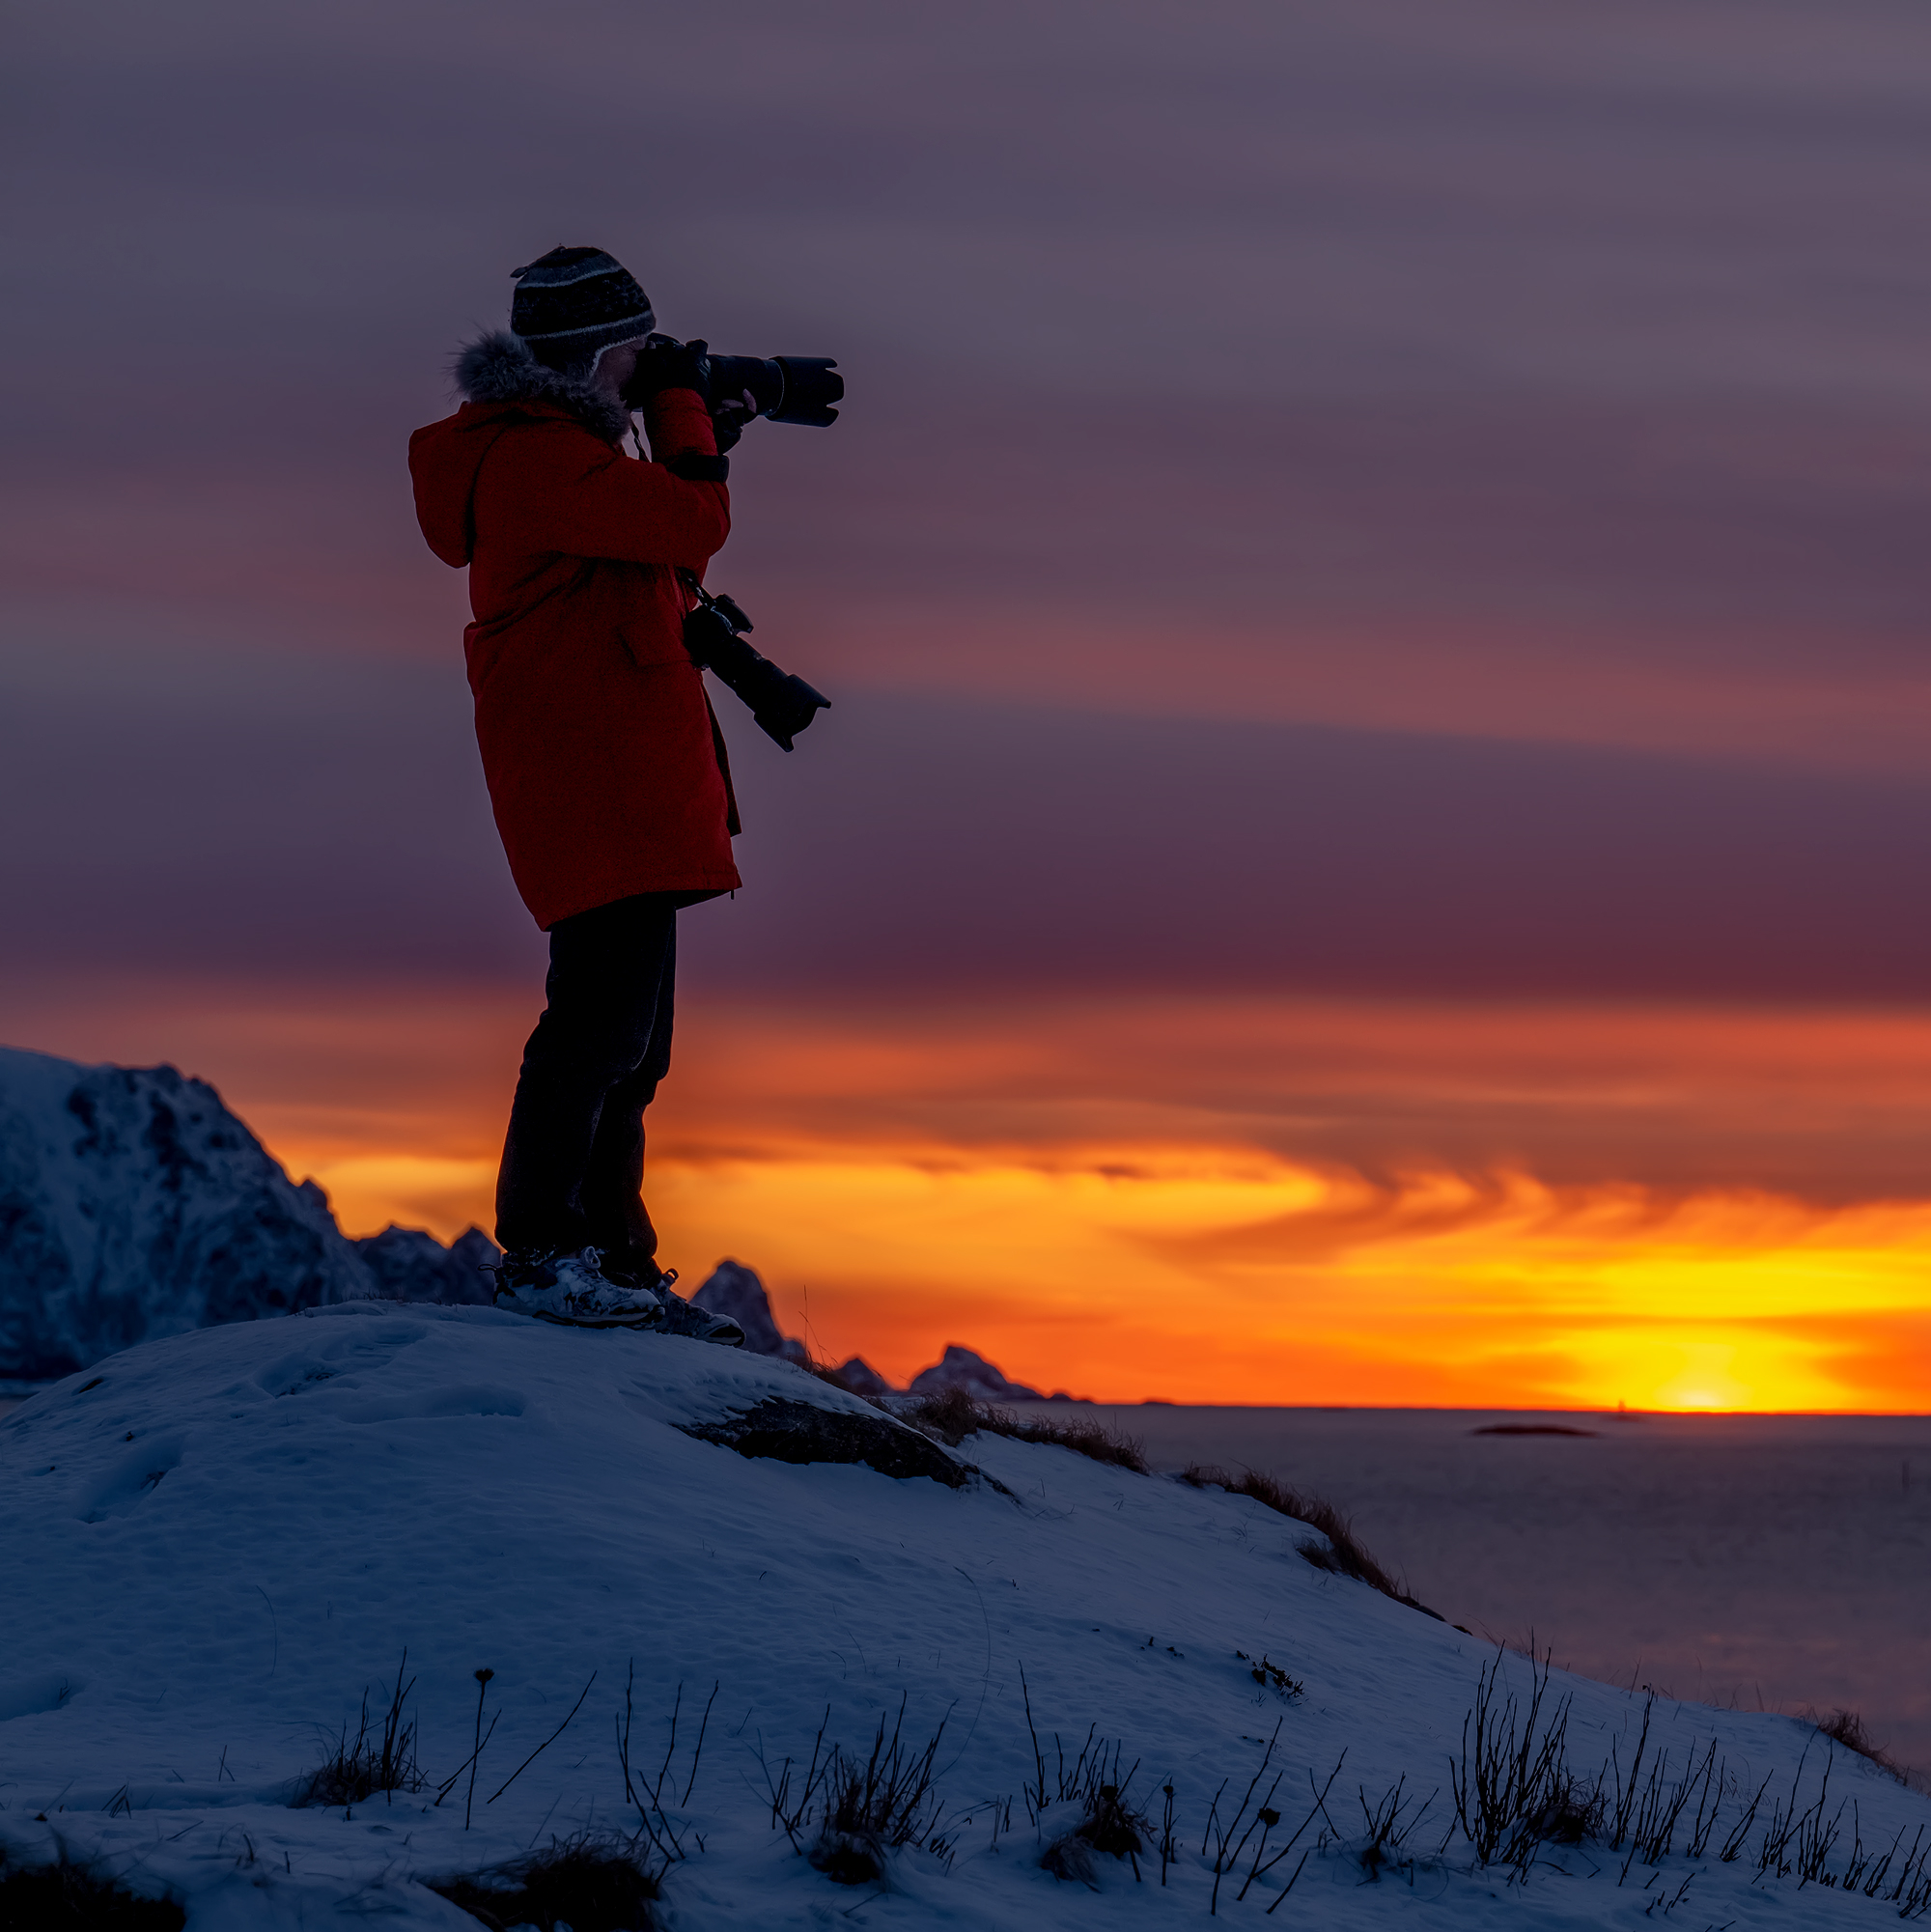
(218, 1540)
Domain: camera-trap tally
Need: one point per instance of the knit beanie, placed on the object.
(575, 303)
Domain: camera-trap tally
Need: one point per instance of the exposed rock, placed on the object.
(969, 1372)
(735, 1290)
(411, 1264)
(785, 1431)
(134, 1205)
(861, 1378)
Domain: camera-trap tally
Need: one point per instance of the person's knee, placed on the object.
(600, 1050)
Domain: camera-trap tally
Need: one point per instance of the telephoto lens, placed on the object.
(782, 705)
(786, 388)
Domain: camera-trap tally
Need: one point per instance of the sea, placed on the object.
(1761, 1562)
(1774, 1563)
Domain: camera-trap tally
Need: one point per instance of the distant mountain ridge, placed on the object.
(411, 1264)
(134, 1205)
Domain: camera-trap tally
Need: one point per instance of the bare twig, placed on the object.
(546, 1744)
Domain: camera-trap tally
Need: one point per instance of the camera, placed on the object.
(786, 388)
(781, 703)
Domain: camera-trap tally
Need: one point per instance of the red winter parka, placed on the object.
(604, 764)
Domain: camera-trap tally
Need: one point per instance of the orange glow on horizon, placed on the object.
(1248, 1201)
(1221, 1274)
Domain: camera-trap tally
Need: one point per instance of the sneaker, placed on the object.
(572, 1289)
(636, 1273)
(679, 1317)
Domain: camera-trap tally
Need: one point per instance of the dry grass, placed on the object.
(1848, 1728)
(1344, 1556)
(587, 1884)
(874, 1806)
(866, 1808)
(45, 1898)
(1111, 1825)
(371, 1762)
(954, 1416)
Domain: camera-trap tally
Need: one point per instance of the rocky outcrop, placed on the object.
(859, 1376)
(409, 1265)
(971, 1374)
(731, 1289)
(134, 1205)
(735, 1290)
(785, 1431)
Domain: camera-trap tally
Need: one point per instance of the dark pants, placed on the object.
(573, 1163)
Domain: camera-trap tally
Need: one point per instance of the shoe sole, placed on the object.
(731, 1338)
(593, 1321)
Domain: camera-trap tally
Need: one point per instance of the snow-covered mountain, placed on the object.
(967, 1371)
(735, 1290)
(731, 1289)
(707, 1579)
(409, 1264)
(133, 1204)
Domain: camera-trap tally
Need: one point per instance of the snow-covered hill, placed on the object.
(216, 1543)
(133, 1204)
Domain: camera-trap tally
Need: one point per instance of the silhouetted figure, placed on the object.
(605, 766)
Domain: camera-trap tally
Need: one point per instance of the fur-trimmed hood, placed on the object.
(499, 368)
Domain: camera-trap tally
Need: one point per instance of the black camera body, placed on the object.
(782, 704)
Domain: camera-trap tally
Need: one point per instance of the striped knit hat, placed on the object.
(575, 303)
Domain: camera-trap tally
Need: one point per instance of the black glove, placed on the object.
(729, 416)
(695, 466)
(666, 363)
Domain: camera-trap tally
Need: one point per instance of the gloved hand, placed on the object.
(666, 363)
(729, 416)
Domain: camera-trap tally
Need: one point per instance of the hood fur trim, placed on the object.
(499, 368)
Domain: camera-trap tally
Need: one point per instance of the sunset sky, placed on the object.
(1371, 842)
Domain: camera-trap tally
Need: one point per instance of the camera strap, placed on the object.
(727, 608)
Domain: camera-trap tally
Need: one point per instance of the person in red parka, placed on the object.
(606, 767)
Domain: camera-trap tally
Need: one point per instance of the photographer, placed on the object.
(606, 767)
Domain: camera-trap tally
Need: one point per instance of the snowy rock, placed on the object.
(215, 1543)
(735, 1290)
(968, 1371)
(411, 1264)
(133, 1204)
(787, 1430)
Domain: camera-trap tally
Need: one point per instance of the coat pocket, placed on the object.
(651, 626)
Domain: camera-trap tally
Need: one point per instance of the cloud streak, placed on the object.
(1373, 587)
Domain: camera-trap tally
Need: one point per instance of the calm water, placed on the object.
(1772, 1561)
(1775, 1562)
